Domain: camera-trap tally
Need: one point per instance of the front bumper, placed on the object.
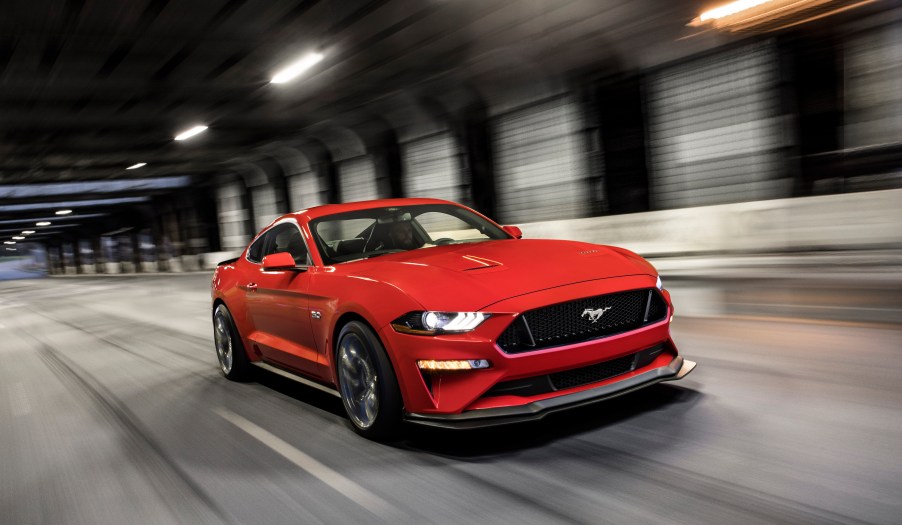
(440, 394)
(487, 417)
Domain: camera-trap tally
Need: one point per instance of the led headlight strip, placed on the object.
(434, 323)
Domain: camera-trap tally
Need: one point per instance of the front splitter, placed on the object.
(488, 417)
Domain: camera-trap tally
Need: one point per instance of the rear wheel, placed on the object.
(233, 361)
(367, 383)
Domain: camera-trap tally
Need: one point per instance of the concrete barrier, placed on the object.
(853, 221)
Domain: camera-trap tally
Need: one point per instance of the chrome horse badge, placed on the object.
(595, 315)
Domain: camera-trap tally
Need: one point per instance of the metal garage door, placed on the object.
(540, 168)
(714, 129)
(432, 167)
(358, 179)
(873, 87)
(232, 217)
(265, 210)
(304, 190)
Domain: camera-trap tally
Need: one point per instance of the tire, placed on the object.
(367, 383)
(233, 361)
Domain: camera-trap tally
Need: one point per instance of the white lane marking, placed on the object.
(18, 399)
(343, 485)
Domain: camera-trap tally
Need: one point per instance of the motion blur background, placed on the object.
(752, 152)
(772, 130)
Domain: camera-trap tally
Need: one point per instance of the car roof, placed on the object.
(316, 212)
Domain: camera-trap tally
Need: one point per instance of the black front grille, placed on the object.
(582, 320)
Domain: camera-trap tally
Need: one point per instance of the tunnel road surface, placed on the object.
(113, 411)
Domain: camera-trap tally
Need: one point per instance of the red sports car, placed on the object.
(425, 311)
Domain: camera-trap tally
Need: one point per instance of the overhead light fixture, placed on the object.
(10, 249)
(190, 133)
(9, 242)
(761, 16)
(63, 212)
(141, 164)
(730, 9)
(27, 232)
(291, 72)
(18, 238)
(42, 223)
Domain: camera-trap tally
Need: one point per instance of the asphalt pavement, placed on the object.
(113, 411)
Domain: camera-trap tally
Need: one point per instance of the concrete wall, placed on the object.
(869, 220)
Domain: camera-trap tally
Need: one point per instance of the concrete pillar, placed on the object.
(51, 270)
(159, 240)
(99, 259)
(386, 154)
(136, 250)
(61, 253)
(813, 62)
(476, 138)
(76, 255)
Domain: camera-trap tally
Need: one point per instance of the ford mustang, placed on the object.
(425, 311)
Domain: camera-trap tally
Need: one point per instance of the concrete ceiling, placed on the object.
(89, 87)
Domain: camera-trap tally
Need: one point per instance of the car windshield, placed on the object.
(369, 233)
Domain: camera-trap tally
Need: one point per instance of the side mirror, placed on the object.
(281, 261)
(514, 231)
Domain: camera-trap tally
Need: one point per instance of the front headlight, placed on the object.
(434, 323)
(659, 284)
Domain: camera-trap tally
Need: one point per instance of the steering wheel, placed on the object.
(443, 241)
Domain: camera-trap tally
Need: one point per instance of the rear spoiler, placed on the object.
(227, 261)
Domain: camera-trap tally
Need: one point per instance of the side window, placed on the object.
(287, 238)
(255, 253)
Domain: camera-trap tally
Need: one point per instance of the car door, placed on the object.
(279, 306)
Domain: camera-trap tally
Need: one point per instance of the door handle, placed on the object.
(251, 287)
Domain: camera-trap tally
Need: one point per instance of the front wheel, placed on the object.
(367, 384)
(233, 361)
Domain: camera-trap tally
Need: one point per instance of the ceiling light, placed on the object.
(190, 133)
(140, 164)
(27, 232)
(10, 249)
(289, 73)
(63, 212)
(18, 238)
(730, 9)
(42, 223)
(762, 16)
(9, 242)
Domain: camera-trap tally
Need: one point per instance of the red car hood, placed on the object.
(473, 276)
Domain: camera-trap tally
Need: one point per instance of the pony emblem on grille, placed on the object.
(595, 315)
